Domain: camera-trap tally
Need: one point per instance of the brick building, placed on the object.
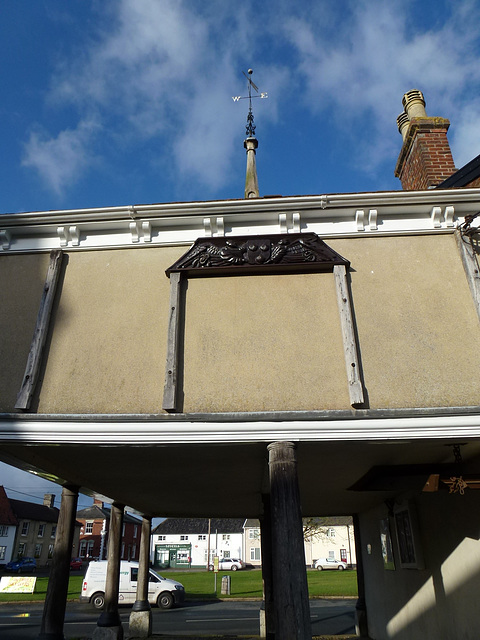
(95, 523)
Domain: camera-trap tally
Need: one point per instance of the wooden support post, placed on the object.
(30, 377)
(355, 387)
(140, 623)
(292, 610)
(57, 589)
(110, 618)
(361, 621)
(470, 264)
(170, 392)
(267, 614)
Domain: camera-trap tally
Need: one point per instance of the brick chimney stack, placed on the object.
(425, 159)
(48, 499)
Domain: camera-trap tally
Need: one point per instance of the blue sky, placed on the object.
(129, 102)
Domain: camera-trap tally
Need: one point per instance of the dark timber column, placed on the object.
(57, 590)
(292, 609)
(267, 616)
(361, 622)
(109, 624)
(141, 617)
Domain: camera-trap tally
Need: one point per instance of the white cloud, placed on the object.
(60, 160)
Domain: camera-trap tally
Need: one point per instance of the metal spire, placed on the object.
(251, 143)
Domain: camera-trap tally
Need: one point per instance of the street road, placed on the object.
(22, 622)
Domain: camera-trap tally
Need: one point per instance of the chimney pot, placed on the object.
(402, 123)
(414, 104)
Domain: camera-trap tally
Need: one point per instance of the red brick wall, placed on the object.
(425, 159)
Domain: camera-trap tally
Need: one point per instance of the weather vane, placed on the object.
(250, 128)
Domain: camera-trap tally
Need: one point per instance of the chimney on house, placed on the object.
(49, 499)
(98, 502)
(425, 159)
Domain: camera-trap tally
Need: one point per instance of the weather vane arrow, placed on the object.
(250, 128)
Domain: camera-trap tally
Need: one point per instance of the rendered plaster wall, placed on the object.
(250, 343)
(263, 343)
(440, 600)
(419, 333)
(108, 341)
(21, 284)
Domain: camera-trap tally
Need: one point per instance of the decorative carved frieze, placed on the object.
(257, 254)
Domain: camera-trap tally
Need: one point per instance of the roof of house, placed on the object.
(6, 513)
(199, 525)
(95, 512)
(31, 511)
(464, 176)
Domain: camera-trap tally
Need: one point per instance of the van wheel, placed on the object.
(165, 600)
(98, 600)
(319, 568)
(340, 568)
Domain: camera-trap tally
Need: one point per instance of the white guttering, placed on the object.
(24, 431)
(335, 215)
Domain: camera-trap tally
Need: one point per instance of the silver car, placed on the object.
(330, 563)
(232, 564)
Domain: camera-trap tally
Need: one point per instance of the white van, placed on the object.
(161, 591)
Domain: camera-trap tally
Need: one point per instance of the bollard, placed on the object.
(226, 585)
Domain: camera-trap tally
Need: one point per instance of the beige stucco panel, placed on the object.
(418, 329)
(22, 279)
(108, 348)
(263, 343)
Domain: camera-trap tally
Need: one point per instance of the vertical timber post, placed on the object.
(109, 624)
(170, 391)
(57, 590)
(292, 609)
(361, 620)
(267, 614)
(140, 623)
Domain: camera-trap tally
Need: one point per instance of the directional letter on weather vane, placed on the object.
(250, 128)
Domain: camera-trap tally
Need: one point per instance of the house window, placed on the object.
(331, 533)
(331, 555)
(254, 534)
(3, 551)
(3, 530)
(202, 537)
(90, 549)
(89, 527)
(226, 554)
(25, 528)
(50, 550)
(123, 550)
(226, 536)
(123, 530)
(54, 531)
(162, 538)
(135, 528)
(254, 553)
(21, 549)
(83, 546)
(38, 550)
(134, 551)
(183, 537)
(41, 530)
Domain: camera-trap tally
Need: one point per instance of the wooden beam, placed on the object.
(30, 377)
(170, 391)
(355, 387)
(470, 264)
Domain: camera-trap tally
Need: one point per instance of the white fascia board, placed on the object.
(335, 215)
(120, 433)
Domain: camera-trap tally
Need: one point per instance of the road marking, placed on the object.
(220, 619)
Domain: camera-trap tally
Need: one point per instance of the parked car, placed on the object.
(226, 564)
(75, 564)
(22, 564)
(330, 563)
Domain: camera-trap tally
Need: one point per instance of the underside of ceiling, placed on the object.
(205, 480)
